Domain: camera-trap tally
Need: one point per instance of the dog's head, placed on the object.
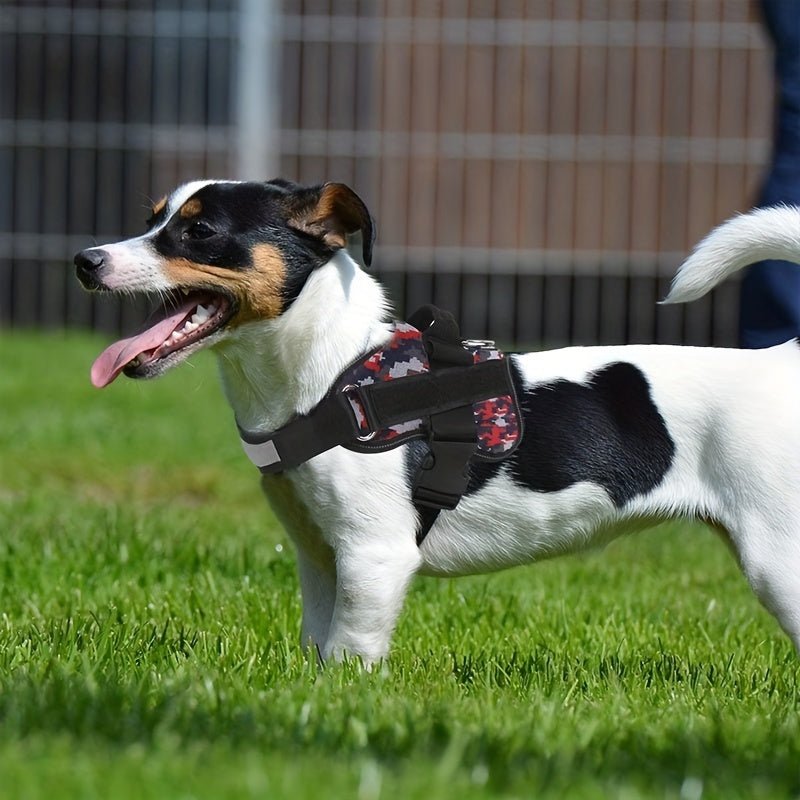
(219, 254)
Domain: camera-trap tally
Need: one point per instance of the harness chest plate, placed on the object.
(497, 427)
(457, 395)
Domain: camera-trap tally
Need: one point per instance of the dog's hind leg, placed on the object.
(770, 558)
(372, 578)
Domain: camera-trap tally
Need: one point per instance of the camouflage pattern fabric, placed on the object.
(497, 426)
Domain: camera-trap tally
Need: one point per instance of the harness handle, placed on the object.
(441, 336)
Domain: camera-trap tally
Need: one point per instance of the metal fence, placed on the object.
(538, 166)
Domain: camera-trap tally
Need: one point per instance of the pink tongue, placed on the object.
(113, 359)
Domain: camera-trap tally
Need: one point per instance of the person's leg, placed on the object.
(770, 298)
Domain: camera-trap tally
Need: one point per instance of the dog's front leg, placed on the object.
(372, 578)
(316, 564)
(317, 573)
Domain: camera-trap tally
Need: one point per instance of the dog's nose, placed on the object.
(88, 263)
(90, 260)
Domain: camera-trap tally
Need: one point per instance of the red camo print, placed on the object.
(496, 420)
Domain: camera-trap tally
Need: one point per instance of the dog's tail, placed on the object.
(765, 233)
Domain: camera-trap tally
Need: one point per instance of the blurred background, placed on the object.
(539, 167)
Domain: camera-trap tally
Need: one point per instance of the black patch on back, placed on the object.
(607, 431)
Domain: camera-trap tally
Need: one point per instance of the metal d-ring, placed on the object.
(352, 387)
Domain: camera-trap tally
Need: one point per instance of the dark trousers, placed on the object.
(770, 299)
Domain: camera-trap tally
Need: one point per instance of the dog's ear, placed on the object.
(331, 212)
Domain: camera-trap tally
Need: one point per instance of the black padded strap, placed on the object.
(333, 422)
(433, 392)
(443, 477)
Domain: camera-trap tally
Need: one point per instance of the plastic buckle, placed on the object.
(443, 483)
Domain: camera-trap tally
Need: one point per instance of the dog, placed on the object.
(616, 437)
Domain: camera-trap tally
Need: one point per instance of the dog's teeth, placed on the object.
(185, 291)
(201, 315)
(190, 326)
(197, 319)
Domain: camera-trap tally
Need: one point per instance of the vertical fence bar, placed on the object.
(257, 98)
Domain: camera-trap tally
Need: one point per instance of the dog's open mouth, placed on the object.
(181, 320)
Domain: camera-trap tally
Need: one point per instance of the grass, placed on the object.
(149, 612)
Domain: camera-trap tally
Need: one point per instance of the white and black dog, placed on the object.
(615, 437)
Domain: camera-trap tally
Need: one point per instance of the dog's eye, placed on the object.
(198, 230)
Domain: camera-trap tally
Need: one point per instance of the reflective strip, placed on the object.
(262, 455)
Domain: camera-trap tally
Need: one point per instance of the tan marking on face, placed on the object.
(257, 289)
(191, 208)
(159, 206)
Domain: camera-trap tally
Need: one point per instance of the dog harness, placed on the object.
(425, 383)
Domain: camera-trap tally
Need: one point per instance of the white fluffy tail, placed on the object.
(765, 233)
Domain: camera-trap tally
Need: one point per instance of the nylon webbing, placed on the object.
(443, 477)
(432, 392)
(333, 422)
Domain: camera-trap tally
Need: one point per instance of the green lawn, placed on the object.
(149, 613)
